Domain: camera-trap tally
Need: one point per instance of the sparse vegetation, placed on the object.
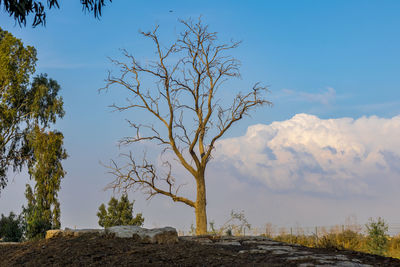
(339, 237)
(375, 241)
(236, 225)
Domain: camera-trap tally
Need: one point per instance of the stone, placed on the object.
(73, 232)
(81, 232)
(252, 251)
(54, 233)
(299, 258)
(229, 243)
(287, 249)
(201, 240)
(262, 242)
(166, 235)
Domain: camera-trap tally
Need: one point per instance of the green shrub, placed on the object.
(11, 228)
(377, 238)
(118, 213)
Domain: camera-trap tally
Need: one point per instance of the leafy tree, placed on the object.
(189, 115)
(119, 213)
(25, 103)
(43, 209)
(377, 238)
(11, 228)
(20, 9)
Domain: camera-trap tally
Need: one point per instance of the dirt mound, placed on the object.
(93, 250)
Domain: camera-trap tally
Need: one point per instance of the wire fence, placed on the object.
(318, 231)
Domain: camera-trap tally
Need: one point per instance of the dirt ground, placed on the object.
(106, 251)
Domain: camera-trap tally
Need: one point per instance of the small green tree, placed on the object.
(43, 209)
(11, 228)
(377, 238)
(119, 213)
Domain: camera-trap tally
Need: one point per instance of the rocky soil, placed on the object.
(105, 250)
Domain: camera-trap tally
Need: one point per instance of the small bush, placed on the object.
(377, 238)
(12, 228)
(119, 213)
(37, 227)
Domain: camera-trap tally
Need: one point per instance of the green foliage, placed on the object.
(119, 213)
(25, 103)
(377, 238)
(11, 228)
(43, 209)
(20, 9)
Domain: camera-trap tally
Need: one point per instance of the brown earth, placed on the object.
(92, 250)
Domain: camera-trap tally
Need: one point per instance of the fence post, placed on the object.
(316, 235)
(343, 242)
(291, 235)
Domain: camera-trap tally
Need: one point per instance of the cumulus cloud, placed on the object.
(337, 157)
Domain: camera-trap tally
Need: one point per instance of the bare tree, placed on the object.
(190, 118)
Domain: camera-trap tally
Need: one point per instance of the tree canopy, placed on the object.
(21, 9)
(26, 102)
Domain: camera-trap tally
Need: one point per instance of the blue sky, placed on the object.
(329, 59)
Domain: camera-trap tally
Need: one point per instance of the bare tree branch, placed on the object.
(144, 177)
(189, 117)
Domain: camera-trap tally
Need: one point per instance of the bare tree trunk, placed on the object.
(200, 207)
(187, 75)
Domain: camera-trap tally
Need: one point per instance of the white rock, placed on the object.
(287, 249)
(252, 251)
(229, 243)
(166, 235)
(263, 242)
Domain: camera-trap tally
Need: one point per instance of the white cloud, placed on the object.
(333, 157)
(325, 98)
